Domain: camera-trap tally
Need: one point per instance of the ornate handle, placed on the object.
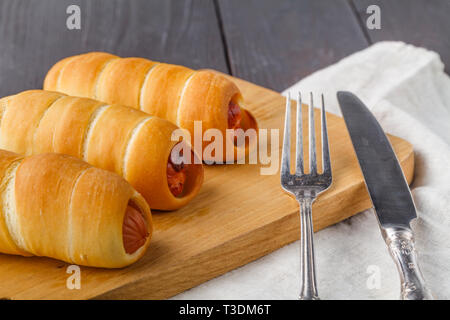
(401, 247)
(307, 263)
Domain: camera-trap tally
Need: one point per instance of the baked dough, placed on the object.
(60, 207)
(124, 140)
(176, 93)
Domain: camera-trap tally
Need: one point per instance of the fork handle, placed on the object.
(401, 247)
(308, 289)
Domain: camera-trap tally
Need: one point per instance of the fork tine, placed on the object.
(312, 139)
(299, 149)
(285, 160)
(326, 165)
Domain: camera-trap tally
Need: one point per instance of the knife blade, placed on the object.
(388, 190)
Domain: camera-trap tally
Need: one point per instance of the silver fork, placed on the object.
(306, 187)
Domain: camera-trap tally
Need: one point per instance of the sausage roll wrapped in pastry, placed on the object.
(172, 92)
(124, 140)
(60, 207)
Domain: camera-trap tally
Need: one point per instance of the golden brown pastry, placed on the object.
(172, 92)
(60, 207)
(124, 140)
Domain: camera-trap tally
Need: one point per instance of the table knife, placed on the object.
(389, 191)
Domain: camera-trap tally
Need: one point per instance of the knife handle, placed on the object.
(401, 247)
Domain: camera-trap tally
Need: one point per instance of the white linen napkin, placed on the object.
(409, 93)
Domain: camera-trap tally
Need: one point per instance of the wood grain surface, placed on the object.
(272, 43)
(276, 43)
(239, 216)
(34, 35)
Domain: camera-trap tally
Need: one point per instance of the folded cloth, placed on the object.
(409, 93)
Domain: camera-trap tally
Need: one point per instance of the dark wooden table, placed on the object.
(273, 43)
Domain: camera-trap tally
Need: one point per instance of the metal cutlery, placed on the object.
(306, 186)
(389, 191)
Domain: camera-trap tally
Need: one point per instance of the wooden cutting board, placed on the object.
(238, 217)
